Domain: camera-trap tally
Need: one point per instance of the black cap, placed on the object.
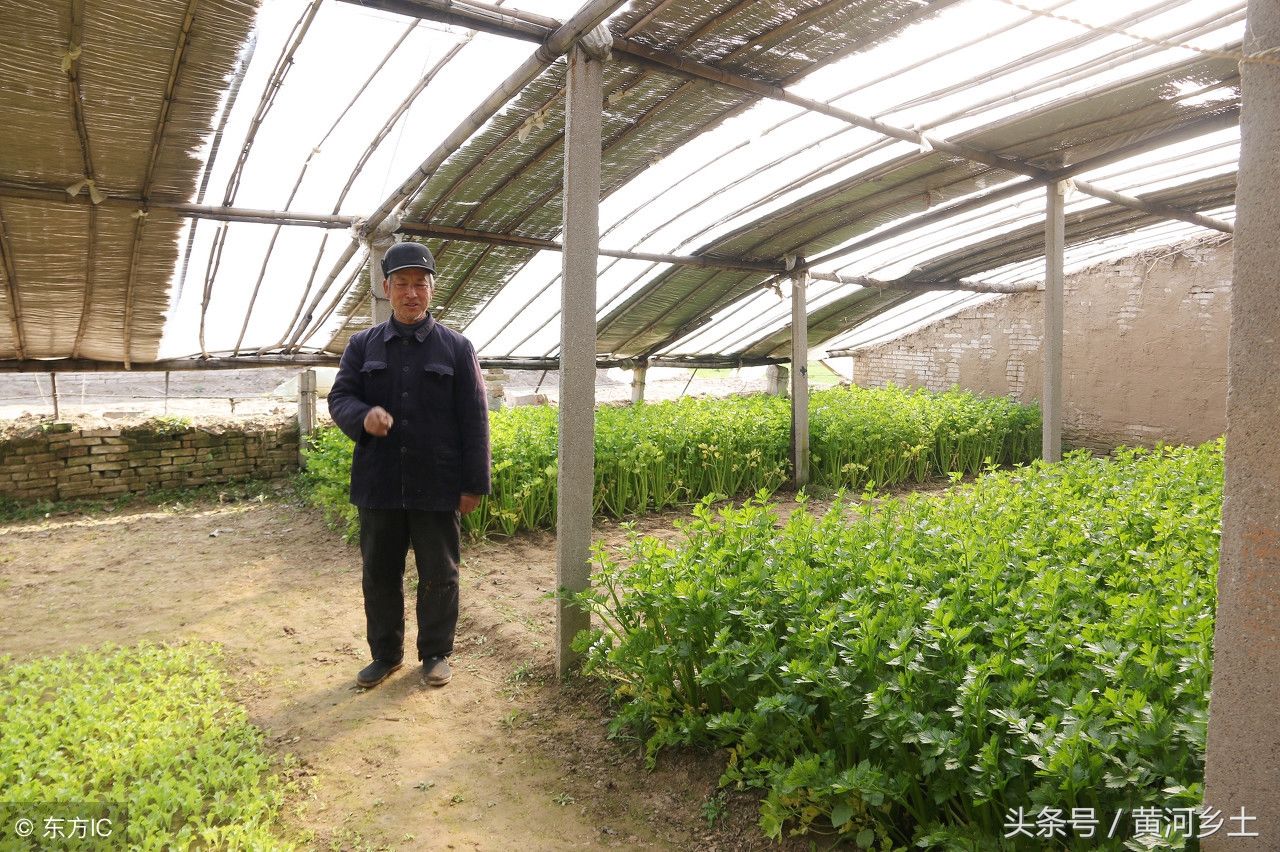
(408, 255)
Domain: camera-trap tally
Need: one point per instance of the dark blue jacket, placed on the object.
(438, 446)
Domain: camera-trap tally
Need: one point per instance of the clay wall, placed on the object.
(1144, 349)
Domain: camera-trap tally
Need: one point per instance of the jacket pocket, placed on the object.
(376, 382)
(443, 371)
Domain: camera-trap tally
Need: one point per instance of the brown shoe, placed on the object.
(436, 671)
(375, 673)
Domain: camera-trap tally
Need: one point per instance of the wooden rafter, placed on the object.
(15, 297)
(266, 257)
(75, 39)
(157, 137)
(283, 63)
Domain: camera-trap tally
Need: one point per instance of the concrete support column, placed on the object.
(800, 379)
(1241, 777)
(495, 381)
(776, 378)
(576, 464)
(306, 409)
(379, 305)
(1055, 240)
(638, 376)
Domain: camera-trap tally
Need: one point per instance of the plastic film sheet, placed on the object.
(1081, 226)
(825, 323)
(1096, 124)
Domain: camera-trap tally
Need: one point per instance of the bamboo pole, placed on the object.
(14, 302)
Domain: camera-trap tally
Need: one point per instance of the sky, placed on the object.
(931, 78)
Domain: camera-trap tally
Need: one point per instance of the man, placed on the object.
(410, 394)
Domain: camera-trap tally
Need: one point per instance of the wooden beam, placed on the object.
(74, 46)
(157, 137)
(960, 284)
(495, 20)
(88, 365)
(14, 301)
(425, 229)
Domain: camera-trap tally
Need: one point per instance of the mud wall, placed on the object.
(64, 462)
(1144, 350)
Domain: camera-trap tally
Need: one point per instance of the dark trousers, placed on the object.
(385, 536)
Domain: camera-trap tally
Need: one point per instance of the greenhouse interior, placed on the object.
(859, 415)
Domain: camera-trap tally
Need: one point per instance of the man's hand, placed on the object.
(468, 503)
(377, 422)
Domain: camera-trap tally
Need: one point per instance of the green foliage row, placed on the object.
(658, 455)
(907, 671)
(146, 732)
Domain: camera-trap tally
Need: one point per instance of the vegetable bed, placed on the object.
(142, 737)
(657, 455)
(909, 672)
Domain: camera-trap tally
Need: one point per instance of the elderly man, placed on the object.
(410, 394)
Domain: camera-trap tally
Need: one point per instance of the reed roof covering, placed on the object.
(755, 133)
(102, 98)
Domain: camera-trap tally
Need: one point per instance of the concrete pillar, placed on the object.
(1055, 239)
(1244, 712)
(799, 380)
(576, 464)
(638, 376)
(379, 305)
(495, 381)
(776, 378)
(306, 408)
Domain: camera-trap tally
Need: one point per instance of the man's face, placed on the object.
(410, 292)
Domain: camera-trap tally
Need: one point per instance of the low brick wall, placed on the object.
(64, 462)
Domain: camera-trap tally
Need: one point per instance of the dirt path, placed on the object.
(502, 758)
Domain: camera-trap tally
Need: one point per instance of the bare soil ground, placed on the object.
(505, 757)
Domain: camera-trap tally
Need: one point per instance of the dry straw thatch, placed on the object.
(122, 94)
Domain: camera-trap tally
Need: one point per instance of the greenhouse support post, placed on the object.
(776, 378)
(638, 376)
(1243, 746)
(800, 379)
(379, 306)
(576, 463)
(53, 391)
(306, 410)
(1054, 247)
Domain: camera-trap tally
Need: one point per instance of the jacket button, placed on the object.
(404, 369)
(404, 394)
(404, 449)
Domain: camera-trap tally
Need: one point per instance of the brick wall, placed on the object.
(1144, 349)
(64, 462)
